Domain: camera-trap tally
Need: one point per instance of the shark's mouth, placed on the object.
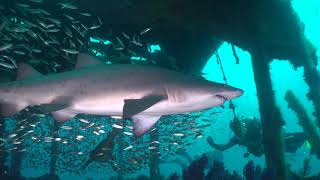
(221, 97)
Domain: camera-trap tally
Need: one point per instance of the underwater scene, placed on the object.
(159, 89)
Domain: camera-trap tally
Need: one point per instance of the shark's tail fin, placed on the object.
(9, 109)
(11, 106)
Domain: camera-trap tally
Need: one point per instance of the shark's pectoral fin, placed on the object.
(10, 109)
(85, 60)
(25, 71)
(63, 115)
(46, 108)
(134, 106)
(143, 123)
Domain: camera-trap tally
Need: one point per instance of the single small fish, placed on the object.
(84, 27)
(3, 140)
(16, 142)
(116, 117)
(127, 148)
(101, 131)
(66, 127)
(22, 150)
(45, 12)
(36, 1)
(94, 27)
(3, 25)
(12, 135)
(68, 32)
(178, 134)
(71, 51)
(128, 133)
(120, 41)
(34, 138)
(69, 17)
(86, 14)
(95, 132)
(118, 48)
(199, 136)
(22, 5)
(48, 140)
(117, 126)
(55, 21)
(5, 47)
(152, 147)
(136, 43)
(68, 6)
(156, 142)
(34, 11)
(20, 30)
(145, 31)
(100, 22)
(131, 52)
(130, 127)
(79, 137)
(19, 52)
(86, 127)
(84, 121)
(53, 30)
(36, 50)
(125, 35)
(6, 65)
(57, 139)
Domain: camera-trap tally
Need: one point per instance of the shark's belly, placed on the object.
(106, 103)
(98, 107)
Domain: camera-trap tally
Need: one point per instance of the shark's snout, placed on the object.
(231, 94)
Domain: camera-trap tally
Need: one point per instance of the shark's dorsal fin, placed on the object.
(26, 71)
(143, 123)
(134, 106)
(85, 60)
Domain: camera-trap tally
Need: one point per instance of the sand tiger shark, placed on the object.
(138, 92)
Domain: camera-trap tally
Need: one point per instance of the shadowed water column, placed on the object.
(3, 154)
(270, 117)
(154, 158)
(119, 137)
(54, 148)
(16, 155)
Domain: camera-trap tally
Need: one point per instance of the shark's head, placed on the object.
(225, 92)
(206, 94)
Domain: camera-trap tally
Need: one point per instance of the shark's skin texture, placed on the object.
(143, 93)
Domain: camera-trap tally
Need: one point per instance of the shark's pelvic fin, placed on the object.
(143, 123)
(134, 106)
(85, 60)
(59, 103)
(26, 71)
(63, 115)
